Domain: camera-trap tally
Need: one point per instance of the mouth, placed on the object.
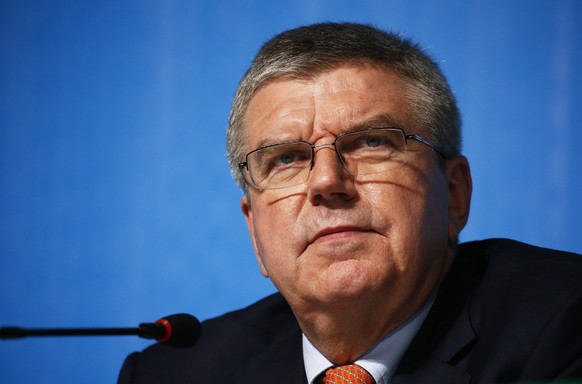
(337, 233)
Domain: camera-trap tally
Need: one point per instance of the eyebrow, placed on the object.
(269, 142)
(380, 121)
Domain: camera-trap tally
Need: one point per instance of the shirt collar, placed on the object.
(381, 360)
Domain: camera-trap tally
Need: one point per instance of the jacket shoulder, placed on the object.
(507, 250)
(525, 312)
(228, 345)
(515, 266)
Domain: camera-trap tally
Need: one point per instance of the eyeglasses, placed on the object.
(362, 152)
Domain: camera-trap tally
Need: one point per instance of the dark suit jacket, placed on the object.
(506, 312)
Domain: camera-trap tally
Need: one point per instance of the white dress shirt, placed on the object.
(381, 360)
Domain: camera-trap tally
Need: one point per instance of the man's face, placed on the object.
(338, 238)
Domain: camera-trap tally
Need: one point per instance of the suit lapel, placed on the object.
(280, 362)
(433, 371)
(447, 334)
(437, 365)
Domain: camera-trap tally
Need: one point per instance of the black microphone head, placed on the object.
(182, 330)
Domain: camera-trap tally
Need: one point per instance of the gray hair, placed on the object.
(305, 52)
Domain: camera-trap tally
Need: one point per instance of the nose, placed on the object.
(329, 180)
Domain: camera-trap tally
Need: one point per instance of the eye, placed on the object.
(372, 141)
(281, 158)
(285, 158)
(368, 141)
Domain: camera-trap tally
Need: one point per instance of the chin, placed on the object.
(346, 280)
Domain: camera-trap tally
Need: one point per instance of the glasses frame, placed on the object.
(245, 165)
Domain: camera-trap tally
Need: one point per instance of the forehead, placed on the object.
(328, 104)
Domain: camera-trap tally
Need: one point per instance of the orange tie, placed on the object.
(347, 374)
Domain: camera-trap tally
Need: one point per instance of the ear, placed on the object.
(245, 205)
(460, 187)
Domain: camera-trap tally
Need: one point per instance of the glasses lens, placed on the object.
(280, 165)
(372, 151)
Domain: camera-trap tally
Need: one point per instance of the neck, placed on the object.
(342, 335)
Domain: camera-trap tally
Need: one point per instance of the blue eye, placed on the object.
(373, 141)
(285, 158)
(367, 141)
(281, 158)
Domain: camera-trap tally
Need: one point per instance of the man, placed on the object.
(346, 142)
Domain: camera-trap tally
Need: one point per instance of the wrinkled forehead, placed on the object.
(332, 102)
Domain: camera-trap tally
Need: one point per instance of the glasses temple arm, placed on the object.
(423, 141)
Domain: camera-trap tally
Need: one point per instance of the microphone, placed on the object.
(180, 330)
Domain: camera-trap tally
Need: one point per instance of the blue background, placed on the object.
(116, 203)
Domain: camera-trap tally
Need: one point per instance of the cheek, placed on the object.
(275, 235)
(427, 227)
(392, 207)
(411, 210)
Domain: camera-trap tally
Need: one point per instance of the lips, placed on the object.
(336, 232)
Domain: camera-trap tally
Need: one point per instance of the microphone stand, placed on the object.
(179, 330)
(145, 330)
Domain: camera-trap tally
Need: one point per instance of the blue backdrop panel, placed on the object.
(116, 203)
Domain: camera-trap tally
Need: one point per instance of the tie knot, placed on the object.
(347, 374)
